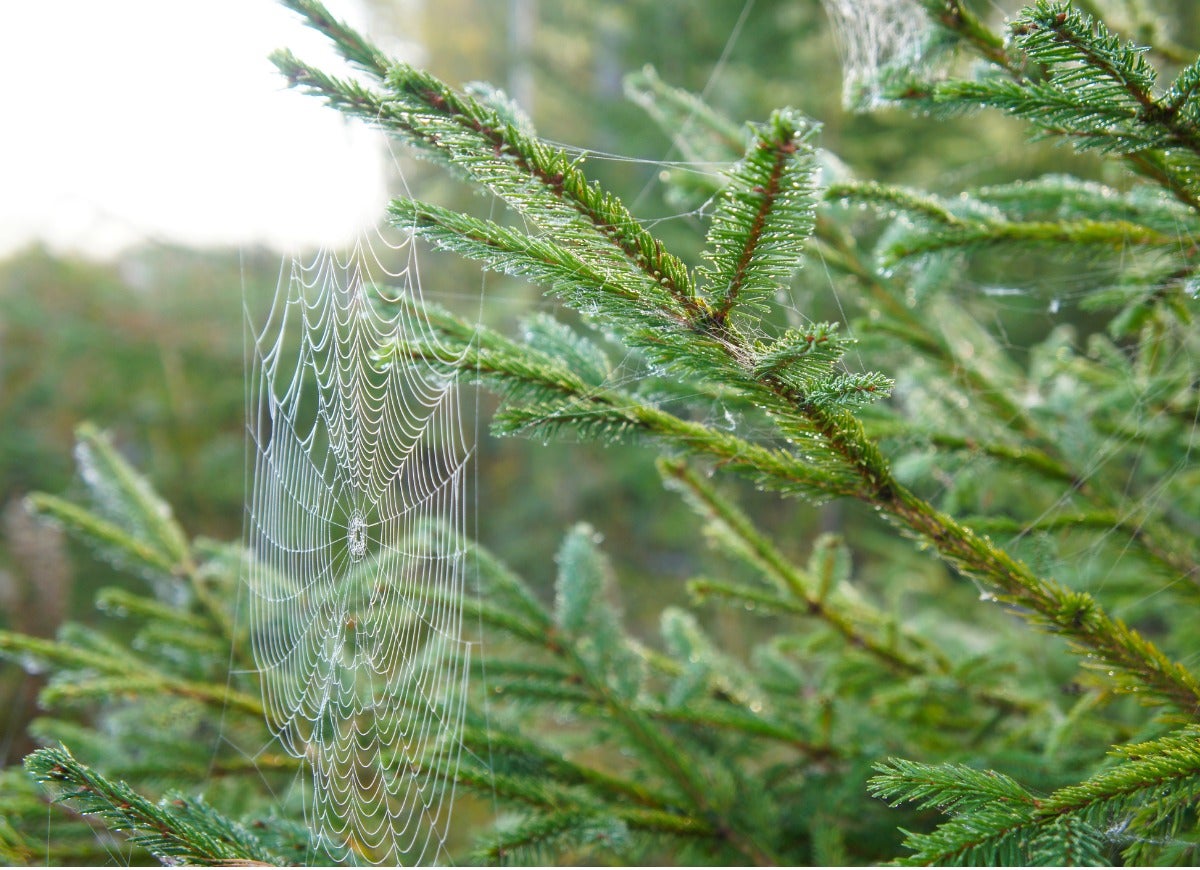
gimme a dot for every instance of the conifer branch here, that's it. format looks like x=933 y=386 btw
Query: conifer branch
x=731 y=718
x=438 y=120
x=521 y=753
x=921 y=336
x=889 y=196
x=130 y=498
x=1172 y=555
x=1151 y=536
x=173 y=830
x=812 y=597
x=1116 y=235
x=657 y=746
x=1138 y=664
x=577 y=609
x=124 y=603
x=587 y=247
x=955 y=17
x=681 y=114
x=106 y=535
x=864 y=475
x=805 y=595
x=580 y=282
x=582 y=636
x=583 y=828
x=1152 y=165
x=506 y=364
x=763 y=217
x=992 y=816
x=129 y=672
x=1093 y=90
x=1033 y=459
x=352 y=45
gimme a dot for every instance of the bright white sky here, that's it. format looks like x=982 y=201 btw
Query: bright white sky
x=130 y=119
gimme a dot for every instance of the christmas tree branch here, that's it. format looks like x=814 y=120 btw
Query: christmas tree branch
x=1093 y=90
x=173 y=830
x=868 y=479
x=122 y=670
x=1038 y=451
x=813 y=597
x=991 y=814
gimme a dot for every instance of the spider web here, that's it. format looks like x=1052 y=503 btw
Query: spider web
x=354 y=524
x=874 y=36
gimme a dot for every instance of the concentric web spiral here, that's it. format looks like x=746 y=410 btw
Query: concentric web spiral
x=355 y=518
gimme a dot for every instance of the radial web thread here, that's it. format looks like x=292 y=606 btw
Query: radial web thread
x=354 y=529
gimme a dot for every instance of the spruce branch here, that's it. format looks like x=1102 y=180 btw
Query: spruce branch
x=123 y=603
x=520 y=371
x=1030 y=458
x=887 y=196
x=539 y=181
x=1039 y=451
x=581 y=283
x=1065 y=198
x=128 y=497
x=803 y=594
x=707 y=716
x=1075 y=47
x=917 y=332
x=129 y=522
x=591 y=663
x=520 y=753
x=956 y=18
x=584 y=635
x=1094 y=90
x=995 y=820
x=353 y=46
x=1134 y=217
x=956 y=789
x=1137 y=663
x=701 y=134
x=564 y=831
x=1118 y=236
x=173 y=830
x=799 y=594
x=104 y=535
x=856 y=468
x=120 y=667
x=763 y=217
x=587 y=247
x=1182 y=99
x=576 y=589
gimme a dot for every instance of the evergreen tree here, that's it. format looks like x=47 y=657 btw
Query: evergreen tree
x=1002 y=711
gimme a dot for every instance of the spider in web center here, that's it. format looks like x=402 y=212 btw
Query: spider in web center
x=356 y=537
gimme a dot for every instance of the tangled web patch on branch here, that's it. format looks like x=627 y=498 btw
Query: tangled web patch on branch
x=873 y=37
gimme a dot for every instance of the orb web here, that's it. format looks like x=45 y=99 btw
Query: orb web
x=355 y=517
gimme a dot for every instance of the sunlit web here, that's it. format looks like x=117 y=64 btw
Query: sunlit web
x=355 y=518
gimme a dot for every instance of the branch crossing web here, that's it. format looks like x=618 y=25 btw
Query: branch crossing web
x=355 y=524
